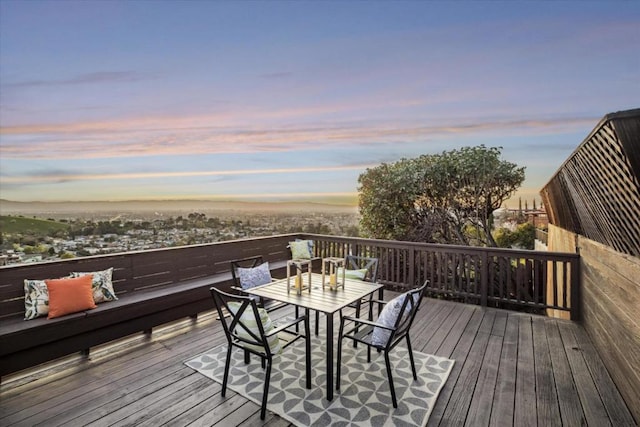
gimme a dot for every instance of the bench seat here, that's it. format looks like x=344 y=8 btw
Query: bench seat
x=24 y=343
x=27 y=343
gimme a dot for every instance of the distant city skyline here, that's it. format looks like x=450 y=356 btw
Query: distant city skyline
x=292 y=101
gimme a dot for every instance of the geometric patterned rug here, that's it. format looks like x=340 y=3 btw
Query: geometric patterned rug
x=364 y=396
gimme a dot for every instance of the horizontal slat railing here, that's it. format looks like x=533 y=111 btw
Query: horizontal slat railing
x=143 y=270
x=498 y=277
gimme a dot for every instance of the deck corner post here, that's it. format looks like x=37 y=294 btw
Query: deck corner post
x=576 y=302
x=412 y=279
x=484 y=279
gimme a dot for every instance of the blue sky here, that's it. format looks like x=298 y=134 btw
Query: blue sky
x=118 y=100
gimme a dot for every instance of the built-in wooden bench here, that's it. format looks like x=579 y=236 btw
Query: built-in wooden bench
x=153 y=287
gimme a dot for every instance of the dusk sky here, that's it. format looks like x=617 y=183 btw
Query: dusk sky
x=120 y=100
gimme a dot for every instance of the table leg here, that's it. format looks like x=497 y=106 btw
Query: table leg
x=329 y=356
x=307 y=360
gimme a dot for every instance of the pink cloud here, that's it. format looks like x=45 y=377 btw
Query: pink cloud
x=197 y=135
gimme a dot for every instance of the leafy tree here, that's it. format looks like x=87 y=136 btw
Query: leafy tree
x=526 y=236
x=387 y=199
x=438 y=198
x=504 y=237
x=523 y=237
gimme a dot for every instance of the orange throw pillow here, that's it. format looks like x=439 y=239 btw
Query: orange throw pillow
x=71 y=295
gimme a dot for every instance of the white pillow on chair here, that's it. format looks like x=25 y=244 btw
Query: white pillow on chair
x=388 y=318
x=256 y=276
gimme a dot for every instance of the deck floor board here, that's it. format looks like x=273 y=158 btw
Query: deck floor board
x=511 y=369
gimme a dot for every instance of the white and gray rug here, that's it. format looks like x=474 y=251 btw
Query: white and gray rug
x=364 y=396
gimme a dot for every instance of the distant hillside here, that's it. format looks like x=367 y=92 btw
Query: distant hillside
x=15 y=224
x=8 y=207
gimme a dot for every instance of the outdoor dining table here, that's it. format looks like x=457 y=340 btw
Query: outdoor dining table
x=325 y=300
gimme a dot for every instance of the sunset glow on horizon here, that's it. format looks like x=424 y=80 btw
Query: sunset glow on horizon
x=272 y=101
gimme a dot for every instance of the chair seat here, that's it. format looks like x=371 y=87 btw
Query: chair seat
x=363 y=335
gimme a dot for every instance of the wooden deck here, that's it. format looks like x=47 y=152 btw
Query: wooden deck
x=511 y=369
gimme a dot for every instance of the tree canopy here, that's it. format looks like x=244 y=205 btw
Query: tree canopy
x=441 y=198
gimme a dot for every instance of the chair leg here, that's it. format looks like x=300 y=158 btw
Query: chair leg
x=413 y=365
x=265 y=394
x=368 y=354
x=317 y=322
x=355 y=343
x=226 y=372
x=393 y=390
x=246 y=357
x=297 y=314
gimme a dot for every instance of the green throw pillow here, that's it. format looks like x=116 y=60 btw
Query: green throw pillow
x=249 y=320
x=353 y=274
x=301 y=249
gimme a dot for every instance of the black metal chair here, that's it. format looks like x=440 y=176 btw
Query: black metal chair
x=244 y=329
x=251 y=262
x=362 y=331
x=353 y=262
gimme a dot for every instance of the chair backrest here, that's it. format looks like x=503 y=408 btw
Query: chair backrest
x=241 y=321
x=250 y=262
x=354 y=262
x=409 y=307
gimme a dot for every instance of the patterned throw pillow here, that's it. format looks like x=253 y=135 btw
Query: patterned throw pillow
x=36 y=299
x=388 y=318
x=102 y=285
x=256 y=276
x=301 y=249
x=353 y=274
x=249 y=320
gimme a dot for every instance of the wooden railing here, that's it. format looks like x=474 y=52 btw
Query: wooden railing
x=504 y=278
x=497 y=277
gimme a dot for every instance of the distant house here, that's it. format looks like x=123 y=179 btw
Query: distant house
x=538 y=218
x=32 y=258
